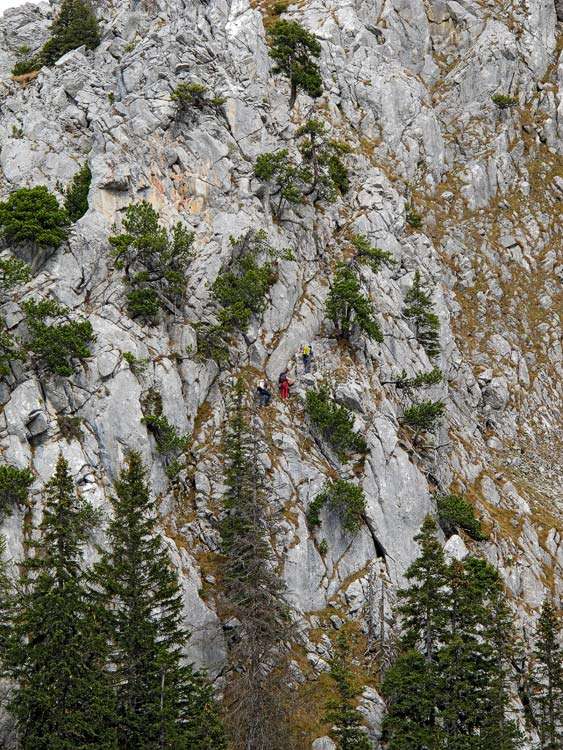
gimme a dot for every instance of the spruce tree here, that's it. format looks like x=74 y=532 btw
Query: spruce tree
x=424 y=602
x=161 y=701
x=419 y=308
x=475 y=660
x=409 y=688
x=347 y=729
x=55 y=651
x=547 y=697
x=257 y=691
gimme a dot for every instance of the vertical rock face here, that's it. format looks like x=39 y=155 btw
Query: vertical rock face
x=408 y=84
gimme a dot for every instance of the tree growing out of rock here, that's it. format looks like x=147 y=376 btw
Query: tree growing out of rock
x=547 y=679
x=13 y=271
x=74 y=26
x=55 y=339
x=345 y=499
x=258 y=684
x=322 y=156
x=334 y=422
x=295 y=51
x=371 y=256
x=347 y=725
x=33 y=215
x=14 y=487
x=419 y=309
x=190 y=96
x=423 y=416
x=455 y=512
x=319 y=171
x=347 y=307
x=76 y=195
x=239 y=292
x=26 y=62
x=153 y=260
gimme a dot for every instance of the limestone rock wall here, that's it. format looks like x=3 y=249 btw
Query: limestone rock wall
x=408 y=85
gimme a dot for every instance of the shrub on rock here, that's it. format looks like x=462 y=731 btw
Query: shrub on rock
x=75 y=25
x=14 y=486
x=347 y=306
x=335 y=423
x=34 y=215
x=154 y=261
x=58 y=343
x=76 y=196
x=345 y=499
x=454 y=512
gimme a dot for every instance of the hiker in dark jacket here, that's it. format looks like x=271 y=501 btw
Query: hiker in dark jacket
x=263 y=393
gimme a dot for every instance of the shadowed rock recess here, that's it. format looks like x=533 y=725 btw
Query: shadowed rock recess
x=449 y=182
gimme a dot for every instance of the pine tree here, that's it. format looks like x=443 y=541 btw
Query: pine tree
x=294 y=50
x=161 y=701
x=347 y=730
x=424 y=602
x=75 y=25
x=55 y=651
x=547 y=698
x=257 y=692
x=347 y=307
x=420 y=309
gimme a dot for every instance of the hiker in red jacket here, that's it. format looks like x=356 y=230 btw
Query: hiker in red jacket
x=284 y=383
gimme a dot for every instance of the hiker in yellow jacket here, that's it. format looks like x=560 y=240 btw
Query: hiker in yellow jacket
x=307 y=355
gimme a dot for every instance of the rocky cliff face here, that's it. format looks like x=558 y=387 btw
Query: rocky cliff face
x=408 y=83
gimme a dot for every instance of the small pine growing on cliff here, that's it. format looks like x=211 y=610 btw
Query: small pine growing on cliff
x=56 y=340
x=75 y=25
x=347 y=306
x=161 y=700
x=419 y=309
x=345 y=499
x=153 y=260
x=55 y=650
x=334 y=422
x=76 y=197
x=34 y=215
x=295 y=50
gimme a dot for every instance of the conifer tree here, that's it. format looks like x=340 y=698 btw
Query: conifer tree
x=161 y=701
x=256 y=696
x=420 y=309
x=347 y=730
x=75 y=25
x=424 y=602
x=547 y=685
x=409 y=688
x=474 y=661
x=347 y=307
x=294 y=50
x=55 y=652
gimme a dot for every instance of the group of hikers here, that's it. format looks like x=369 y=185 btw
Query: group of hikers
x=263 y=392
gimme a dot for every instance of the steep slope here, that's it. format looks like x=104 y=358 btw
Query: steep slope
x=408 y=84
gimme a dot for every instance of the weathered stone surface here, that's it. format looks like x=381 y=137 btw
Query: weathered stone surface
x=409 y=86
